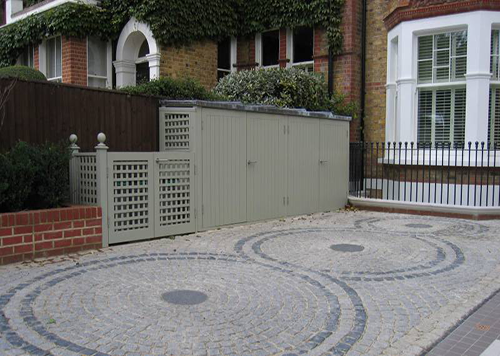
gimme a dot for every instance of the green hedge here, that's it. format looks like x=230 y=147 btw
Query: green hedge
x=21 y=72
x=174 y=89
x=34 y=177
x=288 y=88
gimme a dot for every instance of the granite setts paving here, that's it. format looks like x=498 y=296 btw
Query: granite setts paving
x=342 y=283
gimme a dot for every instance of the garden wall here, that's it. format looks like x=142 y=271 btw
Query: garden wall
x=43 y=233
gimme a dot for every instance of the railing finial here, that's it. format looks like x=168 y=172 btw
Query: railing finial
x=101 y=137
x=73 y=146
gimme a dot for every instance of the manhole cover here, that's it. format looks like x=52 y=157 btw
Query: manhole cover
x=347 y=248
x=184 y=297
x=418 y=226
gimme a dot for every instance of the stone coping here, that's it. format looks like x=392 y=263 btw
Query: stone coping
x=265 y=109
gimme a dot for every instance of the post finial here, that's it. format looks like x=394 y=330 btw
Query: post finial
x=73 y=146
x=101 y=137
x=73 y=138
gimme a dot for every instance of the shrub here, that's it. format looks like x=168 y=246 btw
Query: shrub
x=34 y=177
x=21 y=72
x=289 y=88
x=174 y=89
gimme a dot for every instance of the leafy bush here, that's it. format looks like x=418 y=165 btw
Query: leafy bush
x=34 y=177
x=21 y=72
x=174 y=89
x=289 y=88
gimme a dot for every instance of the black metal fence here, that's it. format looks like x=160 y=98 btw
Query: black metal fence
x=444 y=173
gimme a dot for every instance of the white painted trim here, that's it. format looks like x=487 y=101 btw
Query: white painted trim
x=437 y=208
x=234 y=54
x=402 y=125
x=11 y=16
x=258 y=49
x=127 y=52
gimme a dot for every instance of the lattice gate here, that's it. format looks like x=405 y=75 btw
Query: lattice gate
x=149 y=195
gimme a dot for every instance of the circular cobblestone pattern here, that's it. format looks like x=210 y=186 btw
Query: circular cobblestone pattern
x=275 y=288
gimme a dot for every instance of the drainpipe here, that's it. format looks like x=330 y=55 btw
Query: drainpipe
x=330 y=70
x=363 y=71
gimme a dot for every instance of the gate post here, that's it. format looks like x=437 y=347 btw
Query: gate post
x=73 y=171
x=102 y=185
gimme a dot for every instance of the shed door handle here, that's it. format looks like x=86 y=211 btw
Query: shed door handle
x=322 y=161
x=252 y=162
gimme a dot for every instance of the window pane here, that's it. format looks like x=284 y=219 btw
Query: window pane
x=460 y=43
x=142 y=73
x=442 y=41
x=495 y=51
x=442 y=115
x=51 y=58
x=459 y=116
x=224 y=54
x=97 y=57
x=425 y=47
x=425 y=71
x=96 y=82
x=58 y=55
x=303 y=39
x=144 y=50
x=424 y=116
x=270 y=48
x=494 y=116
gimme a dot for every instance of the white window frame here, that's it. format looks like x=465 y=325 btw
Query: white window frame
x=497 y=55
x=233 y=50
x=308 y=65
x=452 y=84
x=494 y=86
x=108 y=66
x=58 y=78
x=259 y=51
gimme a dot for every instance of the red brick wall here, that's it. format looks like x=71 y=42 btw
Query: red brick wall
x=283 y=60
x=43 y=233
x=74 y=60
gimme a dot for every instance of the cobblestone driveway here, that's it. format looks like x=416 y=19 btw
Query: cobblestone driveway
x=329 y=284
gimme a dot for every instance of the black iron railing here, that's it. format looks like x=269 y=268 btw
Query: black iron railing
x=444 y=173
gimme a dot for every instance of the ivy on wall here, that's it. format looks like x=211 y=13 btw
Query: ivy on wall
x=173 y=22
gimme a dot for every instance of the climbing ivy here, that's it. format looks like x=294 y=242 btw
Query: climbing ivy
x=173 y=22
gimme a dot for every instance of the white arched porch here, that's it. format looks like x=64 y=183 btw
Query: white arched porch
x=136 y=38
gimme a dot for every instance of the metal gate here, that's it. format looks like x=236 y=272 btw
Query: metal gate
x=149 y=195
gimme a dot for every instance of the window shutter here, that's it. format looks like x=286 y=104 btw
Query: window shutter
x=459 y=55
x=442 y=115
x=495 y=53
x=459 y=115
x=494 y=116
x=425 y=45
x=442 y=57
x=424 y=116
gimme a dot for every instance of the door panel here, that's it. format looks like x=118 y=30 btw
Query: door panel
x=333 y=179
x=266 y=166
x=303 y=166
x=224 y=150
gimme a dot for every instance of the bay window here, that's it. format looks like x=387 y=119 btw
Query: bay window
x=441 y=69
x=54 y=59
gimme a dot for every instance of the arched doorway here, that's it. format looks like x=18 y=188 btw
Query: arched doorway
x=137 y=55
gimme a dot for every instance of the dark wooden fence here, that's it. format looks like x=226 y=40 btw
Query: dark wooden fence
x=38 y=112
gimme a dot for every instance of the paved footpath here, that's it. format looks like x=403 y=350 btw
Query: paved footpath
x=357 y=283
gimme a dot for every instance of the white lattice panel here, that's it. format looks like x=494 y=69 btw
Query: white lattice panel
x=175 y=131
x=174 y=188
x=87 y=179
x=130 y=191
x=174 y=193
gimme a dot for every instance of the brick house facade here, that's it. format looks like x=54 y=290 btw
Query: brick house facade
x=389 y=111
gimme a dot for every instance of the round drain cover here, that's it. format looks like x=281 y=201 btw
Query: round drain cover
x=184 y=297
x=418 y=226
x=347 y=248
